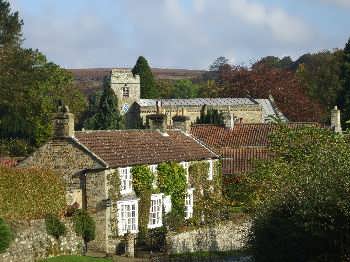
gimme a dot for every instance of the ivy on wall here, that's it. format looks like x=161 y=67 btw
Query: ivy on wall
x=172 y=181
x=142 y=179
x=208 y=201
x=113 y=180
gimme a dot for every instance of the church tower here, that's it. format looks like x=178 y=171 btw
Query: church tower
x=126 y=86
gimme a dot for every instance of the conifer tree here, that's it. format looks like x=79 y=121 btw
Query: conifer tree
x=344 y=97
x=107 y=116
x=10 y=25
x=148 y=85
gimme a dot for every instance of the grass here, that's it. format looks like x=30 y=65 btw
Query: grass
x=75 y=259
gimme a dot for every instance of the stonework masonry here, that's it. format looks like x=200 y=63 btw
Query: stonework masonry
x=227 y=236
x=32 y=243
x=65 y=157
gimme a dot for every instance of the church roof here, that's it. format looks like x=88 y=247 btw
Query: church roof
x=268 y=106
x=121 y=148
x=199 y=102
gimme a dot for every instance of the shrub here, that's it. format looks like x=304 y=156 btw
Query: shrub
x=84 y=226
x=37 y=193
x=54 y=226
x=5 y=236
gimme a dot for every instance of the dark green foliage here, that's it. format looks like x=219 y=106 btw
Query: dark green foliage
x=210 y=116
x=274 y=62
x=10 y=25
x=156 y=239
x=84 y=225
x=344 y=97
x=172 y=181
x=106 y=116
x=148 y=85
x=54 y=226
x=301 y=199
x=219 y=62
x=142 y=180
x=5 y=236
x=184 y=89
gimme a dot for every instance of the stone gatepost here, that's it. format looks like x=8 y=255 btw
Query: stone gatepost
x=130 y=244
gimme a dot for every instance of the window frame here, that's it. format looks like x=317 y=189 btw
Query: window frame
x=186 y=166
x=211 y=169
x=126 y=91
x=157 y=211
x=125 y=228
x=125 y=180
x=189 y=203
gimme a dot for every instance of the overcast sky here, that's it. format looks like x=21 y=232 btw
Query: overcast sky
x=180 y=33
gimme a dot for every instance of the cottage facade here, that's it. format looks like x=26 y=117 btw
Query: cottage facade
x=92 y=161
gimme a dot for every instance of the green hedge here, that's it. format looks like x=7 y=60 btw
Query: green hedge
x=5 y=236
x=28 y=194
x=54 y=226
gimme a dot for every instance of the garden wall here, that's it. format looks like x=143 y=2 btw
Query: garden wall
x=226 y=236
x=32 y=243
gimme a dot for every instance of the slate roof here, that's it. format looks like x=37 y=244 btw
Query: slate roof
x=198 y=102
x=121 y=148
x=268 y=106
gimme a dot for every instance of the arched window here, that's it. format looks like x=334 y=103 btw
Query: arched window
x=125 y=91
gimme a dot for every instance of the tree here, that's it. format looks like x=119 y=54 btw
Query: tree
x=10 y=26
x=210 y=116
x=344 y=96
x=107 y=116
x=84 y=226
x=5 y=236
x=148 y=85
x=219 y=62
x=184 y=89
x=54 y=226
x=301 y=198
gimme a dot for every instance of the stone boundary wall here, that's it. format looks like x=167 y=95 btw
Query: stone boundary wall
x=225 y=236
x=32 y=243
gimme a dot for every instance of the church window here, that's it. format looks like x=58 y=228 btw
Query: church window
x=155 y=216
x=125 y=180
x=125 y=91
x=127 y=217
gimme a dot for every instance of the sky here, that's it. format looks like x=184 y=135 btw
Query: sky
x=187 y=34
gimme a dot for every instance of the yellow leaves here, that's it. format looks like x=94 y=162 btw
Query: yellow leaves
x=30 y=193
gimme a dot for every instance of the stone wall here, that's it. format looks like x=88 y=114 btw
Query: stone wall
x=64 y=156
x=222 y=237
x=32 y=243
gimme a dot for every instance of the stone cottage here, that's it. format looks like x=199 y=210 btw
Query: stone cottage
x=90 y=160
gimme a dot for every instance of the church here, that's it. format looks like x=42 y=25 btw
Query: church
x=243 y=110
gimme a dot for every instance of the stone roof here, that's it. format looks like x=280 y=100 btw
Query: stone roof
x=242 y=135
x=270 y=109
x=121 y=148
x=199 y=102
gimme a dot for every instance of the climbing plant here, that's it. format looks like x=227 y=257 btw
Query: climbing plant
x=114 y=195
x=172 y=181
x=208 y=201
x=142 y=179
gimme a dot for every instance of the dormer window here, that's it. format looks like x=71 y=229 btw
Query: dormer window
x=125 y=91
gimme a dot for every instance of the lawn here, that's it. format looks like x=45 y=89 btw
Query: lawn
x=75 y=259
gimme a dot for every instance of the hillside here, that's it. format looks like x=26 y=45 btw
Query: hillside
x=91 y=79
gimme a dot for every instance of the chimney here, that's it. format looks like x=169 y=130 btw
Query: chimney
x=335 y=120
x=229 y=119
x=157 y=121
x=182 y=122
x=63 y=122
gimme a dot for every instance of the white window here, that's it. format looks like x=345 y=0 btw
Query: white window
x=153 y=169
x=127 y=217
x=125 y=180
x=189 y=203
x=185 y=166
x=167 y=204
x=155 y=213
x=211 y=170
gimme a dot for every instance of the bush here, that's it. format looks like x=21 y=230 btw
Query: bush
x=36 y=193
x=54 y=226
x=84 y=226
x=5 y=236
